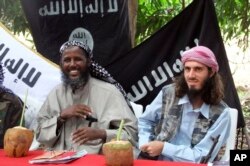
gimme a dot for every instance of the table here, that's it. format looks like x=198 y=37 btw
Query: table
x=88 y=160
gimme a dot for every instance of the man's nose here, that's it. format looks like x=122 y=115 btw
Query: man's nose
x=72 y=62
x=191 y=73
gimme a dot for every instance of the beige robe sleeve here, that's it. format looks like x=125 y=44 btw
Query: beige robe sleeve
x=47 y=122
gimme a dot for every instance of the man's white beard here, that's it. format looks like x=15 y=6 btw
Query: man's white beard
x=75 y=83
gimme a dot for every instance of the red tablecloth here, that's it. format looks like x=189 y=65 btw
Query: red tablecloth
x=88 y=160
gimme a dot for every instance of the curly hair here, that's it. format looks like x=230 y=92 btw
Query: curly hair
x=213 y=91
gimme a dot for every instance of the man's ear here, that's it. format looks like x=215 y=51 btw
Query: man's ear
x=212 y=72
x=88 y=62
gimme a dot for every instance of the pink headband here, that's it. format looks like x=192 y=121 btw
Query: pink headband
x=201 y=54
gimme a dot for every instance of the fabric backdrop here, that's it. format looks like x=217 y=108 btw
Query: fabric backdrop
x=152 y=64
x=102 y=24
x=26 y=71
x=145 y=69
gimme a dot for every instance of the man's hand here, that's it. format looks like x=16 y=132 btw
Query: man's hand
x=77 y=110
x=153 y=148
x=82 y=135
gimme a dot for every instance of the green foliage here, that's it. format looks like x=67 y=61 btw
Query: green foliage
x=153 y=14
x=233 y=17
x=12 y=16
x=234 y=20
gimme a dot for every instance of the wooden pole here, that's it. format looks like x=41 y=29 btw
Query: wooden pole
x=132 y=8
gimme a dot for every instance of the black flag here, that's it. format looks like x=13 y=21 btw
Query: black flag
x=102 y=24
x=152 y=64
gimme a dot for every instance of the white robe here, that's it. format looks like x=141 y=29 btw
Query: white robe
x=108 y=105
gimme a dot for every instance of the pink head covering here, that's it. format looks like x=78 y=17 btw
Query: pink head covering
x=201 y=54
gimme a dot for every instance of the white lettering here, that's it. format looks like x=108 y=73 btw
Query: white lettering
x=72 y=9
x=138 y=95
x=63 y=6
x=147 y=83
x=77 y=6
x=240 y=157
x=113 y=8
x=178 y=66
x=237 y=157
x=158 y=80
x=54 y=11
x=243 y=156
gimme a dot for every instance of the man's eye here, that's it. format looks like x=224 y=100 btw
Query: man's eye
x=198 y=69
x=66 y=60
x=78 y=59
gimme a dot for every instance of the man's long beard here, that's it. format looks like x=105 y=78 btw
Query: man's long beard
x=195 y=93
x=75 y=83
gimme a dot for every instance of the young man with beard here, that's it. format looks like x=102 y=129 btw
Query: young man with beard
x=11 y=108
x=84 y=111
x=182 y=121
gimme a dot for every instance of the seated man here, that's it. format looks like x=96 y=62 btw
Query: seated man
x=10 y=108
x=185 y=119
x=84 y=111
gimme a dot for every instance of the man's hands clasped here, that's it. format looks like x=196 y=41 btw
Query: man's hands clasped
x=84 y=134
